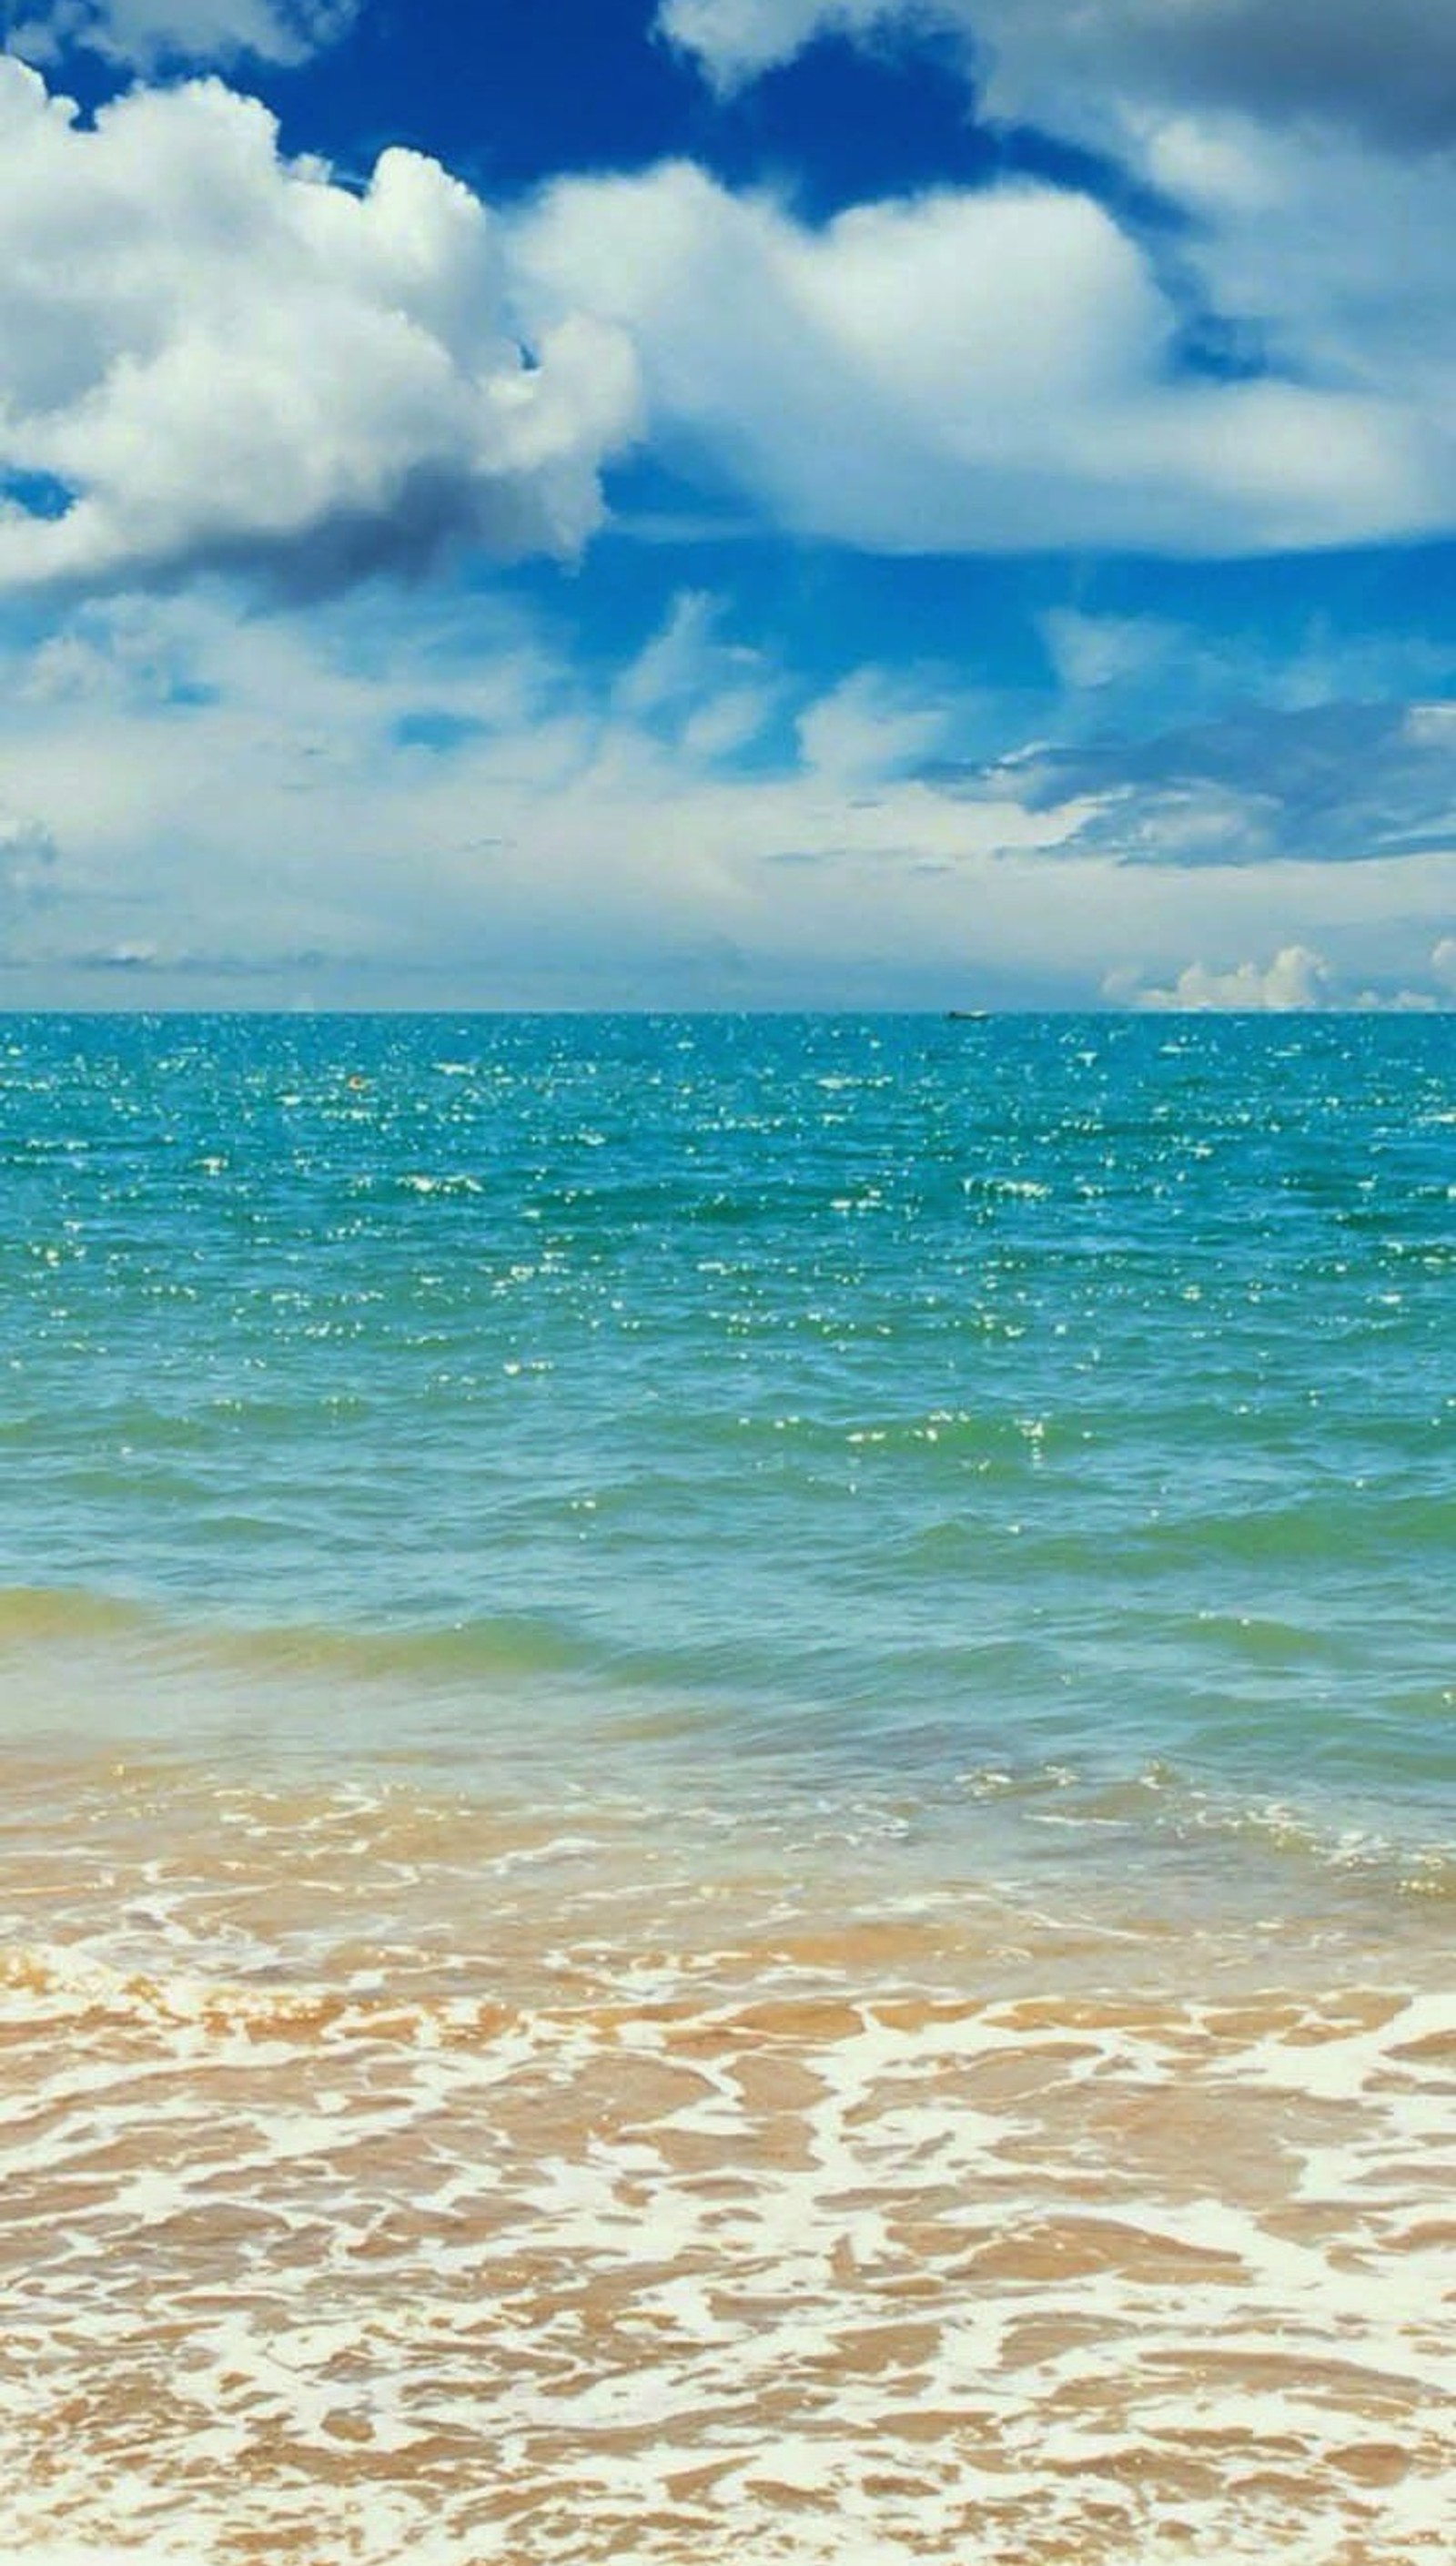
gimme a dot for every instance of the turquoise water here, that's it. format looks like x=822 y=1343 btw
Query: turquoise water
x=876 y=1397
x=728 y=1791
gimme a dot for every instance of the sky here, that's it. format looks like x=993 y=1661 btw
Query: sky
x=727 y=503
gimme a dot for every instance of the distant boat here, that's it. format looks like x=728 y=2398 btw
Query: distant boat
x=966 y=1015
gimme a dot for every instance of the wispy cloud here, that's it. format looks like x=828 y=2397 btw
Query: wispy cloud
x=438 y=802
x=148 y=34
x=27 y=865
x=1334 y=783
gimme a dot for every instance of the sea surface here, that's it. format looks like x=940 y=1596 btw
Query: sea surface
x=728 y=1814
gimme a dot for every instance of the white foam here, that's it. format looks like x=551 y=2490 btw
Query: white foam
x=676 y=2255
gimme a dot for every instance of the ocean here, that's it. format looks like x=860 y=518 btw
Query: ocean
x=729 y=1789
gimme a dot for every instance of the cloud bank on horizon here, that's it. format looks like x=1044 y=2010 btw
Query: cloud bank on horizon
x=702 y=596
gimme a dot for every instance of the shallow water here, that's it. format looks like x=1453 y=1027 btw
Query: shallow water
x=728 y=1815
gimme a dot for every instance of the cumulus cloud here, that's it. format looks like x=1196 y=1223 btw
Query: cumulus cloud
x=211 y=355
x=991 y=371
x=1296 y=982
x=1390 y=72
x=1296 y=979
x=1294 y=143
x=143 y=34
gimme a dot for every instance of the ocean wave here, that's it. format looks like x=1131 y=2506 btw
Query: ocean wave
x=767 y=2264
x=505 y=1645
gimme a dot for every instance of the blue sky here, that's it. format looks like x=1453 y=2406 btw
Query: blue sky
x=727 y=502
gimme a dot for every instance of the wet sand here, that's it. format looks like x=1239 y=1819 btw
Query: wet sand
x=403 y=2178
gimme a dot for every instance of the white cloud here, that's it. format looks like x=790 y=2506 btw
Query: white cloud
x=1099 y=652
x=734 y=40
x=436 y=804
x=870 y=726
x=1296 y=143
x=693 y=686
x=27 y=865
x=1195 y=820
x=212 y=355
x=228 y=797
x=992 y=371
x=215 y=354
x=1272 y=126
x=1294 y=981
x=145 y=32
x=1431 y=725
x=1390 y=73
x=1337 y=253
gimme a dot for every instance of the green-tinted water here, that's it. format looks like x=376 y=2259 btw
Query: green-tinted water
x=728 y=1787
x=914 y=1395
